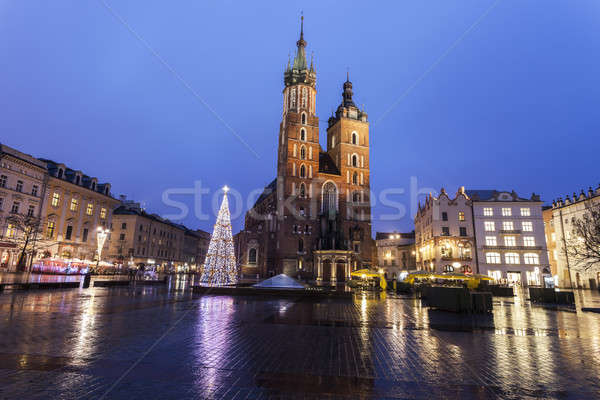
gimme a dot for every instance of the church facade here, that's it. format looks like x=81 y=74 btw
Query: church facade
x=314 y=218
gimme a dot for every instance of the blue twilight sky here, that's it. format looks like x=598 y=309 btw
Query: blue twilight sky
x=487 y=94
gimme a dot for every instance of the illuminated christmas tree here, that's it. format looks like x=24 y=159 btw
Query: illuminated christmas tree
x=219 y=267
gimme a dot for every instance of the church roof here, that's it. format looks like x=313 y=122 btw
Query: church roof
x=327 y=165
x=270 y=188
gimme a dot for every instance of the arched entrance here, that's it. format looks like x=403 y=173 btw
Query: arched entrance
x=340 y=270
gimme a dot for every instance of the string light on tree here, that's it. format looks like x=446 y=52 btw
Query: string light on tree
x=220 y=265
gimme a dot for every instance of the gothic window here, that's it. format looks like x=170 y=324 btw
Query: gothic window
x=303 y=135
x=354 y=138
x=354 y=160
x=300 y=245
x=356 y=197
x=293 y=98
x=302 y=171
x=302 y=187
x=329 y=197
x=355 y=178
x=302 y=152
x=304 y=97
x=252 y=256
x=303 y=119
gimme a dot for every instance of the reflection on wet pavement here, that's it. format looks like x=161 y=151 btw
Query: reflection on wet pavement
x=163 y=342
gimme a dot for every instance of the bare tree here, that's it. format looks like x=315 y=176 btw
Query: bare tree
x=24 y=231
x=583 y=245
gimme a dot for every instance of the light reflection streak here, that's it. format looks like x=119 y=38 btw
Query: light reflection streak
x=212 y=339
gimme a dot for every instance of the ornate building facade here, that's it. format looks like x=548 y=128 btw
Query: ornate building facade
x=74 y=206
x=570 y=272
x=314 y=218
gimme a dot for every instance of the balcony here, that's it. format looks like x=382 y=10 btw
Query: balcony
x=510 y=231
x=485 y=247
x=458 y=259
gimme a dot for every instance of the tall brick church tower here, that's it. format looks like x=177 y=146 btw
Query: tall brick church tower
x=314 y=219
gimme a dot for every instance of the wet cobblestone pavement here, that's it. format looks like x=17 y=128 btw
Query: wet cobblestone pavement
x=159 y=343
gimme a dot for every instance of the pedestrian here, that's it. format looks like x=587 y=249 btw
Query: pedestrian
x=142 y=269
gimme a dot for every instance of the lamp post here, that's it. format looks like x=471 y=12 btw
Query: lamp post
x=101 y=235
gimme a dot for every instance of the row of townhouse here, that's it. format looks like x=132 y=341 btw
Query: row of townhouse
x=50 y=210
x=138 y=237
x=496 y=233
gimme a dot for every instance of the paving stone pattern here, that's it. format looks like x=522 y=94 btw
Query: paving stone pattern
x=159 y=343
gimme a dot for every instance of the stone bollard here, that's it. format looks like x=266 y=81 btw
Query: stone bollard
x=86 y=280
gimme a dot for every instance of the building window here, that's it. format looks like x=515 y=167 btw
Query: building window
x=74 y=205
x=252 y=256
x=491 y=241
x=300 y=245
x=50 y=229
x=15 y=207
x=302 y=171
x=508 y=226
x=355 y=178
x=30 y=211
x=34 y=190
x=90 y=209
x=510 y=241
x=329 y=198
x=529 y=241
x=122 y=236
x=354 y=160
x=103 y=213
x=444 y=216
x=357 y=248
x=55 y=199
x=3 y=179
x=492 y=258
x=489 y=226
x=302 y=153
x=19 y=187
x=354 y=138
x=445 y=231
x=488 y=212
x=525 y=212
x=531 y=258
x=527 y=226
x=303 y=135
x=461 y=216
x=303 y=119
x=302 y=190
x=506 y=211
x=463 y=231
x=333 y=142
x=69 y=232
x=511 y=258
x=84 y=235
x=10 y=231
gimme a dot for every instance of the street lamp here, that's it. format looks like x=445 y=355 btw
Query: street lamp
x=101 y=236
